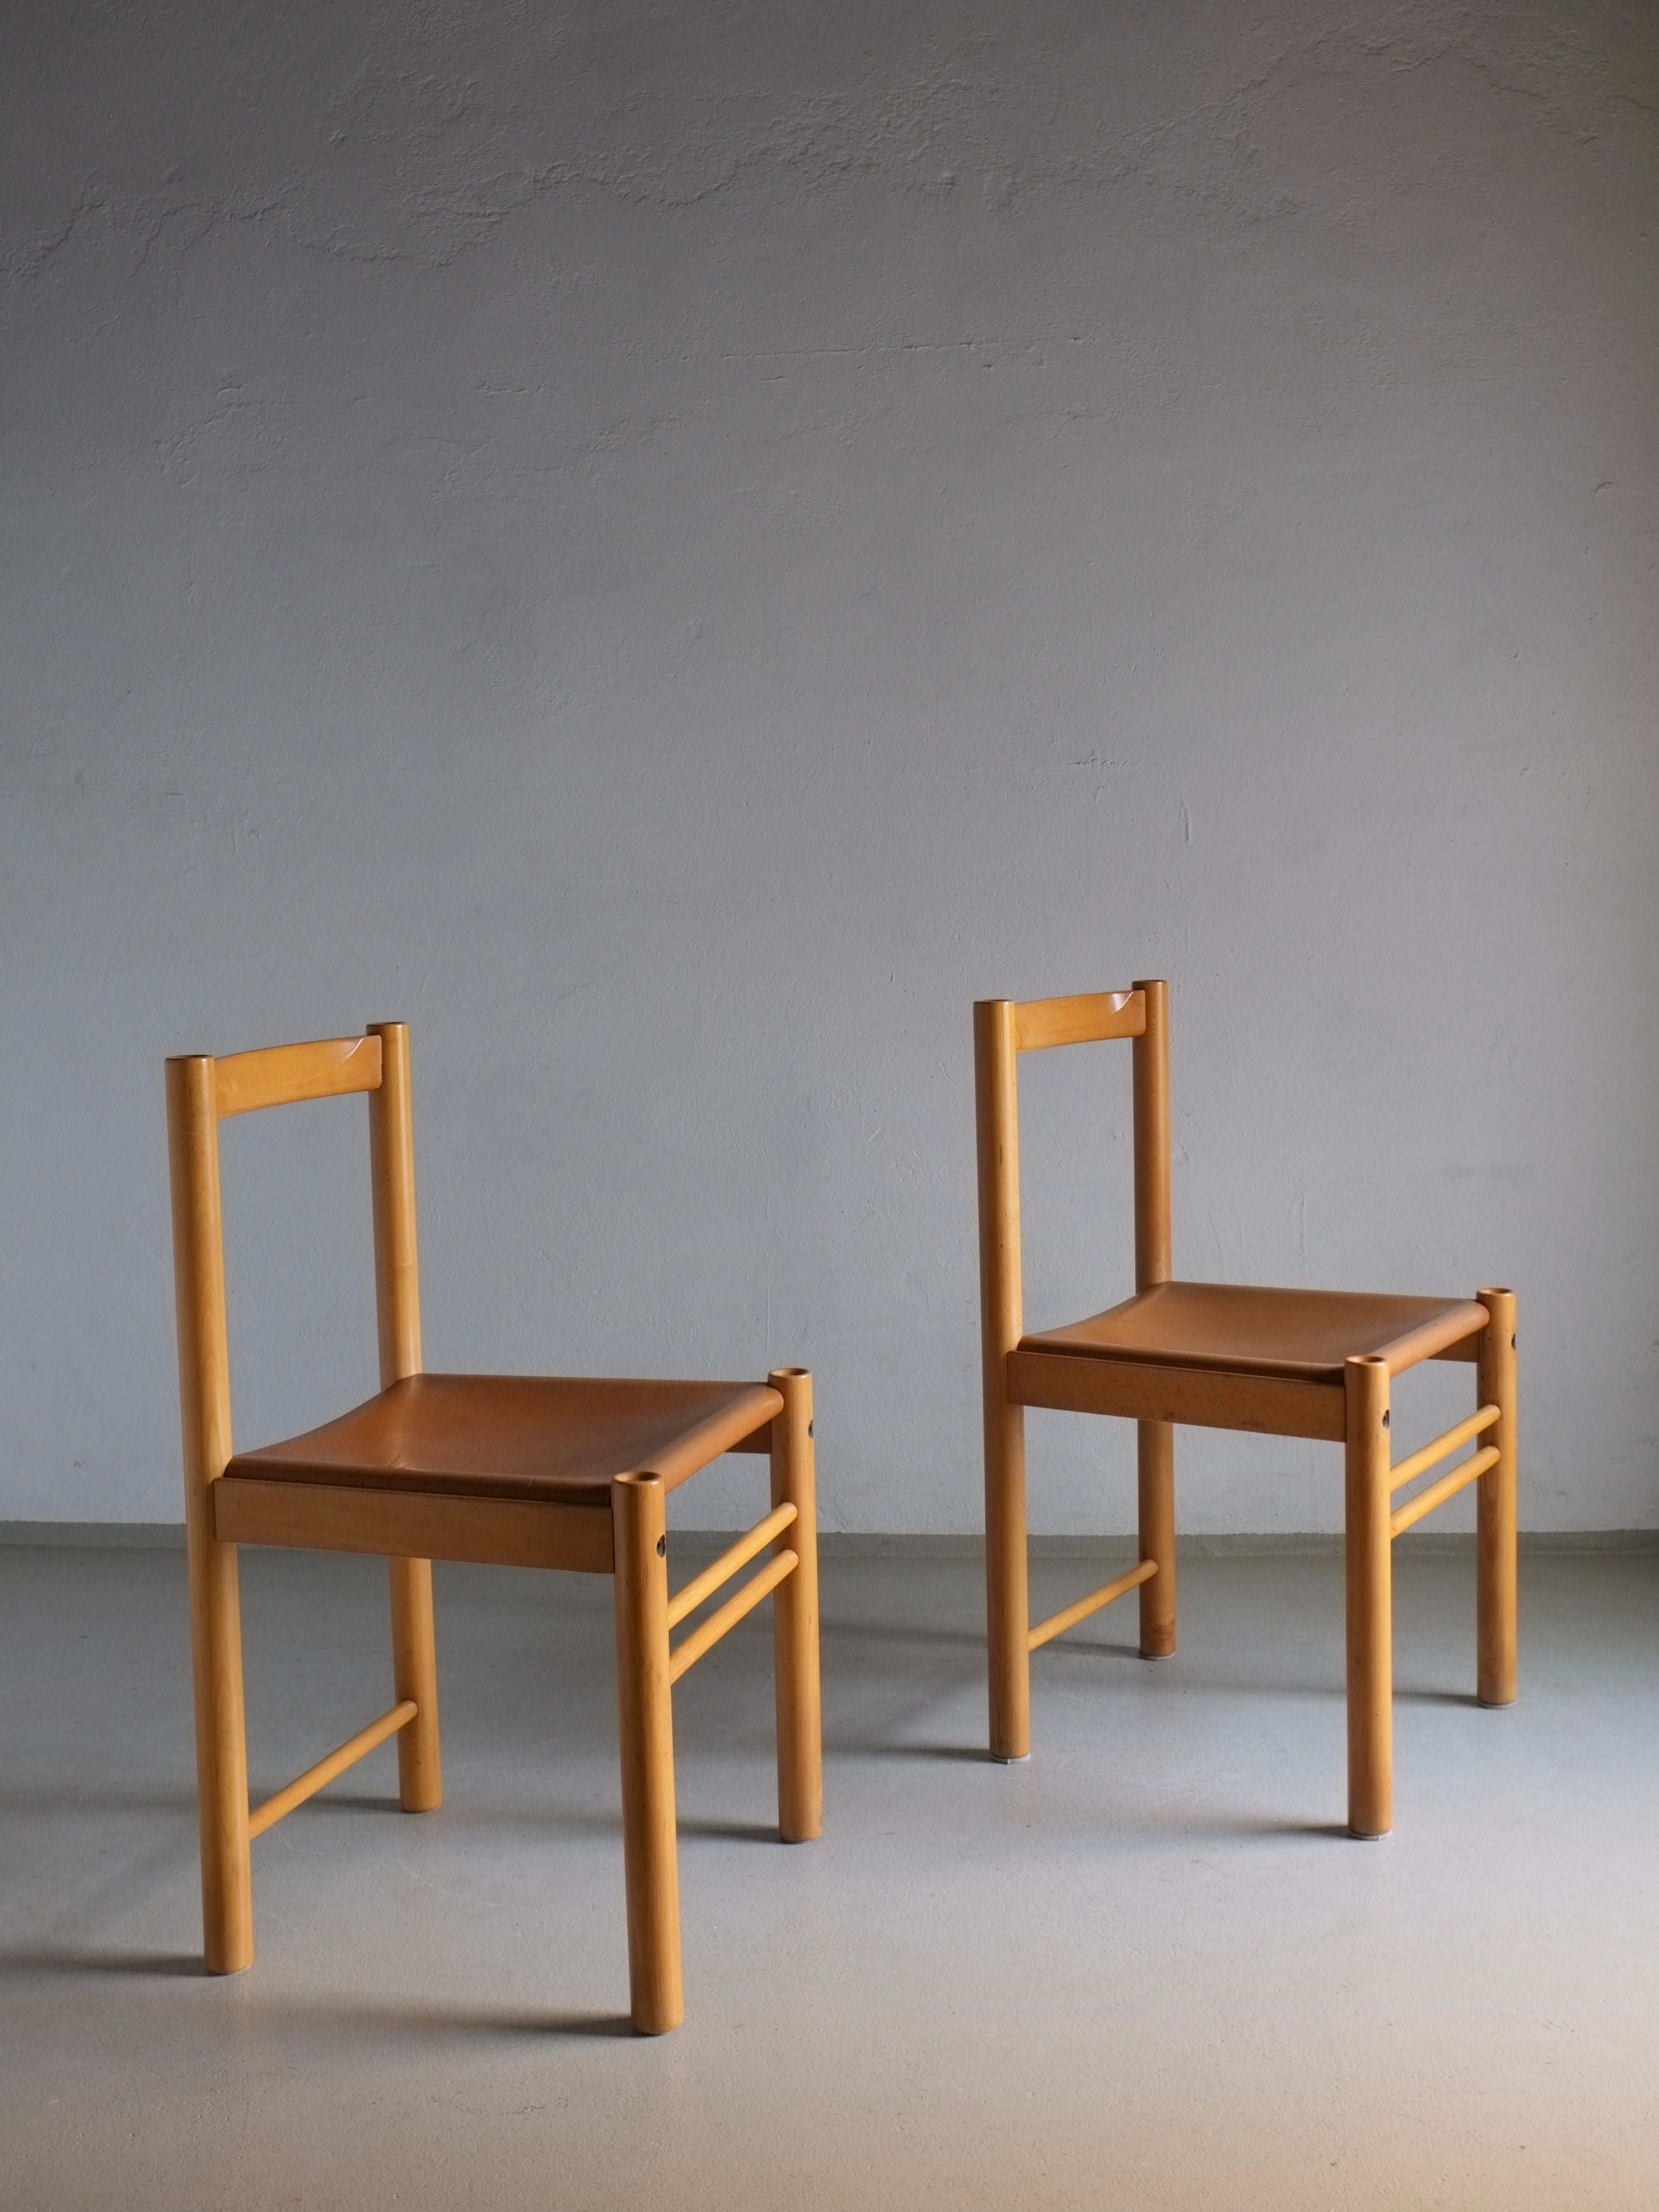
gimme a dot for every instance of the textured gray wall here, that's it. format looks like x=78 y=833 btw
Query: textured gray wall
x=674 y=546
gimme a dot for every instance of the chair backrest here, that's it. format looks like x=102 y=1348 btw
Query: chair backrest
x=201 y=1093
x=1002 y=1031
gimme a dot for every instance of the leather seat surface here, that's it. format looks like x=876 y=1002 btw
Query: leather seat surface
x=560 y=1438
x=1232 y=1328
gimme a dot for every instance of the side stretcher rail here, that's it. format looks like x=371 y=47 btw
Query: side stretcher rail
x=686 y=1653
x=1069 y=1616
x=314 y=1778
x=1469 y=1470
x=1438 y=1492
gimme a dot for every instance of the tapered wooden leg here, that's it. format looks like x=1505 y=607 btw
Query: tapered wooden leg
x=1155 y=1452
x=221 y=1749
x=1495 y=1507
x=414 y=1672
x=1371 y=1598
x=795 y=1614
x=646 y=1710
x=1007 y=1603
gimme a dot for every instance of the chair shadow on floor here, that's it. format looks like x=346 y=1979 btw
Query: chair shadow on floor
x=398 y=2017
x=865 y=1632
x=969 y=1754
x=140 y=1965
x=68 y=1795
x=352 y=2016
x=1291 y=1832
x=1302 y=1682
x=1300 y=1686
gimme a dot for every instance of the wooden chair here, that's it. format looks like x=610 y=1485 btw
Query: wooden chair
x=516 y=1470
x=1284 y=1362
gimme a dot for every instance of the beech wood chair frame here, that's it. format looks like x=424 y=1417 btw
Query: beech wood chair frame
x=412 y=1529
x=1354 y=1411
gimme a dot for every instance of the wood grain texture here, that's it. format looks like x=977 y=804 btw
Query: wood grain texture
x=1368 y=1574
x=1094 y=1017
x=1496 y=1509
x=646 y=1716
x=1154 y=1245
x=1156 y=1522
x=391 y=1186
x=215 y=1605
x=285 y=1074
x=795 y=1613
x=413 y=1524
x=1266 y=1404
x=1154 y=1264
x=1006 y=1599
x=398 y=1314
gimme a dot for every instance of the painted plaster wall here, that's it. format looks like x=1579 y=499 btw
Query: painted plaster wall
x=675 y=546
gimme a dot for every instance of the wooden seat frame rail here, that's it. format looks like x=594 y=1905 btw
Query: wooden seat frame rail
x=1354 y=1412
x=411 y=1529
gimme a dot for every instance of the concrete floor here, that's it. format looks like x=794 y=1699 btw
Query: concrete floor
x=1143 y=1970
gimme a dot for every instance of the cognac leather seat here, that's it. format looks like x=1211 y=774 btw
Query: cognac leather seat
x=557 y=1438
x=1235 y=1329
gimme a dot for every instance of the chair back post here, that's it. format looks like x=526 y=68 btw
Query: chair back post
x=391 y=1166
x=1153 y=1261
x=198 y=1263
x=199 y=1276
x=996 y=1050
x=397 y=1307
x=1154 y=1264
x=997 y=1105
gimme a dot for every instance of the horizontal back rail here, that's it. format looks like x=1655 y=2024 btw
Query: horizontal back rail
x=1092 y=1018
x=283 y=1074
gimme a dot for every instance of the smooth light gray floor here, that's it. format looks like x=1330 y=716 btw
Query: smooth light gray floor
x=1144 y=1969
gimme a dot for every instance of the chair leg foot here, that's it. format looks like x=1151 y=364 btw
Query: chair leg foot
x=221 y=1754
x=1495 y=1508
x=1155 y=1483
x=795 y=1616
x=645 y=1708
x=415 y=1674
x=1369 y=1573
x=1007 y=1601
